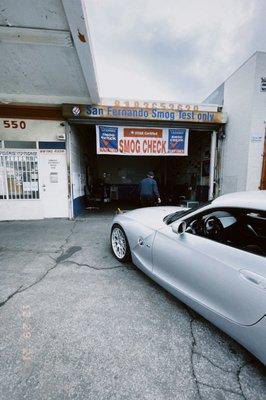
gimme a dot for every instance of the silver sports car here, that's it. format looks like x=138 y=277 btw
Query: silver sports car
x=212 y=258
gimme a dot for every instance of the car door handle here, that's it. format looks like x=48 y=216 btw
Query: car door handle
x=253 y=278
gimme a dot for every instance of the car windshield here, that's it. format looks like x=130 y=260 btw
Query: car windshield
x=170 y=218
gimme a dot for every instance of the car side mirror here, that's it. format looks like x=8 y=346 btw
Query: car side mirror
x=179 y=227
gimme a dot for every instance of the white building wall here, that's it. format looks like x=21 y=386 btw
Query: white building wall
x=238 y=103
x=35 y=130
x=257 y=129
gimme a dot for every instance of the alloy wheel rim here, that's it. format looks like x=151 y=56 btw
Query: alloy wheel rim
x=119 y=243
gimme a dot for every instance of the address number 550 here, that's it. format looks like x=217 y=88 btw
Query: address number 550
x=14 y=124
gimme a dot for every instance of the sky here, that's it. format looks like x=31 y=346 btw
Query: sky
x=172 y=50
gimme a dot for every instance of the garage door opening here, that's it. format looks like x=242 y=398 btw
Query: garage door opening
x=108 y=182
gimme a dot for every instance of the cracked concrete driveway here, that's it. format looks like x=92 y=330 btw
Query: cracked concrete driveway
x=76 y=324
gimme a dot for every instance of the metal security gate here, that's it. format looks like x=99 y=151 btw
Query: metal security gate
x=19 y=175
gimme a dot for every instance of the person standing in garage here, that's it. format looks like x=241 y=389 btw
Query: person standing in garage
x=149 y=193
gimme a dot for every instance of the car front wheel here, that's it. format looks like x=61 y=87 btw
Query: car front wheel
x=119 y=243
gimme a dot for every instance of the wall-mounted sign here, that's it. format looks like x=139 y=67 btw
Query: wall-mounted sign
x=256 y=137
x=54 y=177
x=263 y=84
x=30 y=186
x=52 y=151
x=53 y=163
x=142 y=113
x=131 y=141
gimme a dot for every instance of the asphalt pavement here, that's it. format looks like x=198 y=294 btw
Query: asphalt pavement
x=77 y=324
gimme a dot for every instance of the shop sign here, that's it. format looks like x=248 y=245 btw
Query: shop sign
x=131 y=141
x=263 y=84
x=52 y=151
x=256 y=137
x=142 y=113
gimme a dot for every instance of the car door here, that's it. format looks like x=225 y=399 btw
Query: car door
x=140 y=239
x=229 y=281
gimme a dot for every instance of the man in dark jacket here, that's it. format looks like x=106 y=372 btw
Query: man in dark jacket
x=149 y=193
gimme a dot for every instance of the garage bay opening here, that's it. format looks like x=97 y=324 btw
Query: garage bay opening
x=108 y=181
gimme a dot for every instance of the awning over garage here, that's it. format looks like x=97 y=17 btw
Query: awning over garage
x=45 y=53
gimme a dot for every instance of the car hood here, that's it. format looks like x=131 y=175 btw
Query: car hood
x=152 y=216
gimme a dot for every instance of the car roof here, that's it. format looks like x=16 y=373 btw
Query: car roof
x=251 y=199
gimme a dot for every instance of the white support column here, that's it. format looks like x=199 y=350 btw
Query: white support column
x=212 y=164
x=69 y=170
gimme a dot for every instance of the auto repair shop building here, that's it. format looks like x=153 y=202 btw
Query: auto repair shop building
x=60 y=142
x=55 y=146
x=117 y=142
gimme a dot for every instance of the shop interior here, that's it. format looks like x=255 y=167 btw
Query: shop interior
x=112 y=181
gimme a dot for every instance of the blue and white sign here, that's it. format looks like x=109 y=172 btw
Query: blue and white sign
x=177 y=141
x=108 y=139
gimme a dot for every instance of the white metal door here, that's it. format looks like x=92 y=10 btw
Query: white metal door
x=53 y=183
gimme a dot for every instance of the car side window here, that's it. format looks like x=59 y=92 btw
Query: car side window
x=241 y=228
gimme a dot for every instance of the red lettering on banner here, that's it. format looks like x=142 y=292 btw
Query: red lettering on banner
x=144 y=146
x=126 y=146
x=132 y=146
x=147 y=146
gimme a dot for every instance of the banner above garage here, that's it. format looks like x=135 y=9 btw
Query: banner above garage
x=141 y=113
x=131 y=141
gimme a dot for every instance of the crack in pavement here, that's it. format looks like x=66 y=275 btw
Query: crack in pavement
x=193 y=344
x=198 y=382
x=239 y=380
x=95 y=268
x=192 y=361
x=66 y=240
x=40 y=278
x=229 y=371
x=22 y=289
x=10 y=296
x=219 y=388
x=64 y=254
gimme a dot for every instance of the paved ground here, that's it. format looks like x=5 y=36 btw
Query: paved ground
x=76 y=324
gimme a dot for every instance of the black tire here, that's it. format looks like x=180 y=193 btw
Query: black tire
x=127 y=254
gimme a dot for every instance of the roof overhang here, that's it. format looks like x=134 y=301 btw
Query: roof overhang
x=45 y=53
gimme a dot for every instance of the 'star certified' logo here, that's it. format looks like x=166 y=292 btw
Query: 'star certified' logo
x=76 y=110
